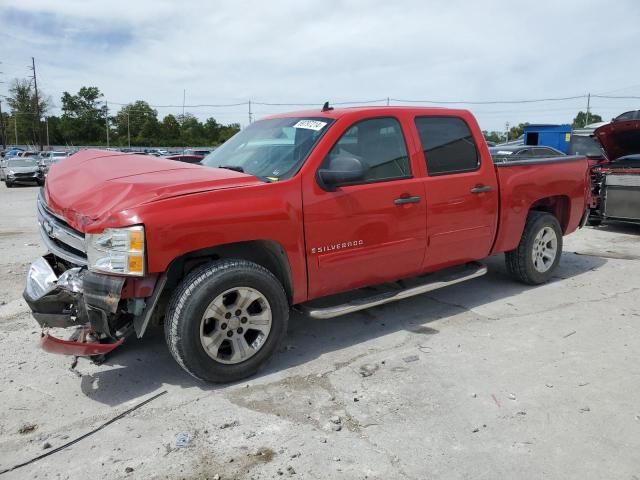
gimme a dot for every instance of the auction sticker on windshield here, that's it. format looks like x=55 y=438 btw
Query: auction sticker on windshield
x=310 y=124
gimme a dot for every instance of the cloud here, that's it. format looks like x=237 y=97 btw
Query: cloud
x=287 y=52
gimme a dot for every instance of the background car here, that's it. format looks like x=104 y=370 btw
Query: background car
x=193 y=151
x=523 y=152
x=23 y=170
x=186 y=158
x=49 y=158
x=12 y=152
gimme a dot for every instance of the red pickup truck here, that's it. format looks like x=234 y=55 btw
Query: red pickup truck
x=290 y=212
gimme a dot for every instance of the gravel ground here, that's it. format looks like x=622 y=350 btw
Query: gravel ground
x=487 y=379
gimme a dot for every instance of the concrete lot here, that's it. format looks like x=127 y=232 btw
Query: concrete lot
x=488 y=379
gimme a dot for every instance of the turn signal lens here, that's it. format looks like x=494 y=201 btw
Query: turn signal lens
x=117 y=251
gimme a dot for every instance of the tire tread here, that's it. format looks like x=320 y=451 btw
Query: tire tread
x=184 y=292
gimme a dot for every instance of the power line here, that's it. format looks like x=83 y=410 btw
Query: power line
x=489 y=102
x=618 y=97
x=186 y=106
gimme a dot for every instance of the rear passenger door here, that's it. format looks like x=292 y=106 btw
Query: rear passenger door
x=461 y=191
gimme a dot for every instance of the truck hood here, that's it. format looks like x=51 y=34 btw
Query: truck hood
x=92 y=184
x=619 y=139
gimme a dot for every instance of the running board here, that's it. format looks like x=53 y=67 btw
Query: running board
x=425 y=284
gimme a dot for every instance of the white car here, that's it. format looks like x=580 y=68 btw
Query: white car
x=49 y=158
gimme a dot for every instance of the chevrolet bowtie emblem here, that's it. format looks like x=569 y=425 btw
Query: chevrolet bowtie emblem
x=47 y=227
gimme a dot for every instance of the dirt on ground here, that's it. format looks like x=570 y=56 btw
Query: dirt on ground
x=486 y=379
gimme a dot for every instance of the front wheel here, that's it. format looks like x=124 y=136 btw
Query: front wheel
x=538 y=253
x=8 y=184
x=226 y=319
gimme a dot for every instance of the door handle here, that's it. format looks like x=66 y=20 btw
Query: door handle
x=405 y=200
x=481 y=189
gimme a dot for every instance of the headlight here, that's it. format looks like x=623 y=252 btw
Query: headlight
x=117 y=250
x=11 y=172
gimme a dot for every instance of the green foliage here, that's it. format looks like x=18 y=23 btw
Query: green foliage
x=83 y=117
x=22 y=102
x=581 y=119
x=496 y=137
x=84 y=122
x=516 y=131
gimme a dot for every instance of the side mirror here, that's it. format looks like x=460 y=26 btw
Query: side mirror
x=343 y=169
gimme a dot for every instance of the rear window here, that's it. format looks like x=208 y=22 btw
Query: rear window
x=448 y=145
x=584 y=145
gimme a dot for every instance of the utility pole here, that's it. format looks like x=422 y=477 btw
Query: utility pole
x=586 y=121
x=506 y=126
x=35 y=86
x=2 y=132
x=15 y=125
x=47 y=123
x=106 y=119
x=250 y=114
x=184 y=97
x=128 y=132
x=387 y=101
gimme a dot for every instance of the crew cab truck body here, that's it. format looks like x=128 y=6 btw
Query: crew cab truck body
x=293 y=210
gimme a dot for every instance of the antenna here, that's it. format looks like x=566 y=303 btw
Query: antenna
x=326 y=107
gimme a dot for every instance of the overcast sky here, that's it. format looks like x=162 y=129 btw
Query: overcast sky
x=311 y=51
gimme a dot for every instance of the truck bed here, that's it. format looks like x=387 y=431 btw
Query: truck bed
x=546 y=183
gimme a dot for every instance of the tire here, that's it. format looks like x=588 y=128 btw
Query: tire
x=594 y=222
x=530 y=262
x=204 y=310
x=8 y=184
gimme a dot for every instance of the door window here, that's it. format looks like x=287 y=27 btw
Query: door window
x=448 y=145
x=379 y=144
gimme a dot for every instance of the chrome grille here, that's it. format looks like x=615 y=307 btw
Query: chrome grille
x=60 y=238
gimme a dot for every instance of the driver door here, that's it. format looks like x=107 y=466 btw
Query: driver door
x=369 y=232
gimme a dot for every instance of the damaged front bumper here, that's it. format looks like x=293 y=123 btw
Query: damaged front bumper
x=76 y=297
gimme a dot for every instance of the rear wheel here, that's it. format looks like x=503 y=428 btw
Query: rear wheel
x=226 y=319
x=538 y=253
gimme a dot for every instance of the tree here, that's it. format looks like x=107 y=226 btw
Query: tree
x=150 y=133
x=83 y=117
x=192 y=131
x=495 y=137
x=56 y=135
x=516 y=131
x=581 y=119
x=170 y=130
x=22 y=101
x=228 y=131
x=130 y=120
x=212 y=131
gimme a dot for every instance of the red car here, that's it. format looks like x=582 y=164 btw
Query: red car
x=291 y=211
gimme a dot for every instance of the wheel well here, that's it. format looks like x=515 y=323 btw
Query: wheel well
x=558 y=206
x=266 y=253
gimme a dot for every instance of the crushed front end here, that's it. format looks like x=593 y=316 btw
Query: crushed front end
x=63 y=289
x=616 y=179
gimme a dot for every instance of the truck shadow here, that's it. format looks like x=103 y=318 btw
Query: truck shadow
x=143 y=366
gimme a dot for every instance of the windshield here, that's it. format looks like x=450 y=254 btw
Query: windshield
x=584 y=145
x=23 y=162
x=270 y=149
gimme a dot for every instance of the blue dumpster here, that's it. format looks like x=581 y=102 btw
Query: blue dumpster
x=556 y=136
